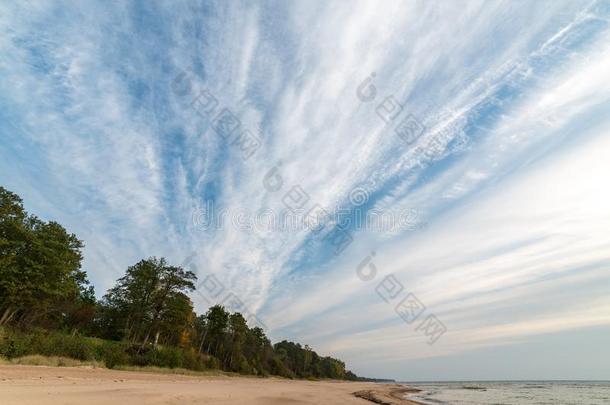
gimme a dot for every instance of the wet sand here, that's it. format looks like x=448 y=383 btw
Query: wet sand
x=34 y=385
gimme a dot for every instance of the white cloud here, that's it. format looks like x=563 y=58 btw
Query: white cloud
x=125 y=162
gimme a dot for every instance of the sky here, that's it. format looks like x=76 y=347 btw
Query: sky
x=417 y=188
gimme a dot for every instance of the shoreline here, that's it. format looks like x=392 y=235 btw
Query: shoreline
x=33 y=385
x=393 y=394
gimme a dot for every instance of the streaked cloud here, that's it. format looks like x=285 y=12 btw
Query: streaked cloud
x=514 y=94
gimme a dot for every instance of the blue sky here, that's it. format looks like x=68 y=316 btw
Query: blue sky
x=504 y=183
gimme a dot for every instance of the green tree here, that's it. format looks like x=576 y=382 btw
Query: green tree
x=200 y=326
x=42 y=285
x=217 y=320
x=39 y=264
x=236 y=340
x=149 y=292
x=175 y=321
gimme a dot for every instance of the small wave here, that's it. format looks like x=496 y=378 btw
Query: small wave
x=473 y=387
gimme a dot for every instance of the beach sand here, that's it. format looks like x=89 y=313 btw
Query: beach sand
x=35 y=385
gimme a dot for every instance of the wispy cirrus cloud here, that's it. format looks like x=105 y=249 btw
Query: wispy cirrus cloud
x=94 y=136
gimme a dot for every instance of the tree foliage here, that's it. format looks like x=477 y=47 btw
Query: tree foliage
x=40 y=275
x=148 y=313
x=148 y=301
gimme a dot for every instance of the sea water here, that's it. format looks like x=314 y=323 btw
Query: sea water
x=514 y=392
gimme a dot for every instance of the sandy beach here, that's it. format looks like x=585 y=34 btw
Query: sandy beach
x=34 y=385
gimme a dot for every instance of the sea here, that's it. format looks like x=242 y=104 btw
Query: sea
x=513 y=392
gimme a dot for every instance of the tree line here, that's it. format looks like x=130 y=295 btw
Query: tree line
x=146 y=318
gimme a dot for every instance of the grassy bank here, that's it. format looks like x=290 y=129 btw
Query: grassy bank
x=42 y=347
x=56 y=361
x=49 y=361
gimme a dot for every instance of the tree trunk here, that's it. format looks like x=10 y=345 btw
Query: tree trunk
x=156 y=339
x=203 y=340
x=201 y=345
x=146 y=339
x=224 y=363
x=9 y=313
x=5 y=316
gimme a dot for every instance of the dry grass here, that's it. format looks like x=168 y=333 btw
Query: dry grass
x=53 y=361
x=180 y=371
x=56 y=361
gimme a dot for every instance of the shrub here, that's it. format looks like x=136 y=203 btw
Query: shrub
x=54 y=361
x=112 y=354
x=165 y=357
x=213 y=362
x=58 y=348
x=58 y=344
x=13 y=345
x=244 y=367
x=193 y=361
